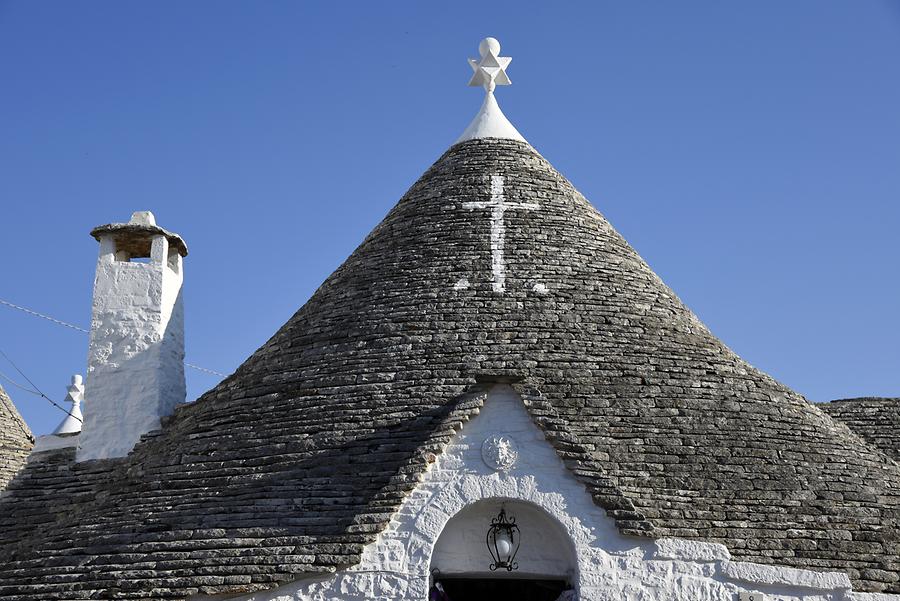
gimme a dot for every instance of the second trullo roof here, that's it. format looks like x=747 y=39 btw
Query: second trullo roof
x=16 y=439
x=296 y=461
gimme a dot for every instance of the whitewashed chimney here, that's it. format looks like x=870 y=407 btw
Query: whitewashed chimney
x=136 y=355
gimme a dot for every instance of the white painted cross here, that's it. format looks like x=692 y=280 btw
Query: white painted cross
x=498 y=206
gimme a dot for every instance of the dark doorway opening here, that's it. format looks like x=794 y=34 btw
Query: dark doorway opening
x=502 y=589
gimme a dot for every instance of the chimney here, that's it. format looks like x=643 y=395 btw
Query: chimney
x=136 y=355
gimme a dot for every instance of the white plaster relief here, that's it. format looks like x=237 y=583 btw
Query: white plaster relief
x=564 y=533
x=498 y=206
x=499 y=452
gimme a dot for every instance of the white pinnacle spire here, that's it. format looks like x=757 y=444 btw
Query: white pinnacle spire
x=72 y=423
x=490 y=71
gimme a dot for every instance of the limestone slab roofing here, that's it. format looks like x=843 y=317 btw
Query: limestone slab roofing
x=875 y=419
x=15 y=440
x=299 y=458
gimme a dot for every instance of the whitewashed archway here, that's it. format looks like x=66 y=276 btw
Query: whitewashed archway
x=545 y=549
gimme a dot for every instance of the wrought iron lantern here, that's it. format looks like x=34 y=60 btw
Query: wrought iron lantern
x=503 y=542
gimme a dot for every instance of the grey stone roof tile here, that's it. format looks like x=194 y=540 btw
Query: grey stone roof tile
x=875 y=419
x=16 y=440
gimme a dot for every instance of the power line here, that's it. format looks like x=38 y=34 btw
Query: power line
x=80 y=329
x=19 y=421
x=42 y=316
x=36 y=390
x=209 y=371
x=17 y=385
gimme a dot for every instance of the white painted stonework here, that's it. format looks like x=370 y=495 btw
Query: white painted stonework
x=499 y=451
x=51 y=442
x=136 y=355
x=490 y=122
x=442 y=524
x=74 y=420
x=66 y=433
x=498 y=206
x=490 y=72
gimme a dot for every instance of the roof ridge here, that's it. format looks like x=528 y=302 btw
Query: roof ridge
x=862 y=399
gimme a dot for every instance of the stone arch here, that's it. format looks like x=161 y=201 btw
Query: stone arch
x=546 y=549
x=460 y=479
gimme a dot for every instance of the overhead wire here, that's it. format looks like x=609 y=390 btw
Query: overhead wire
x=66 y=324
x=17 y=385
x=19 y=422
x=203 y=369
x=42 y=316
x=36 y=390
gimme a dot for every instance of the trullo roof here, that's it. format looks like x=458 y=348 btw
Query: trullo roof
x=298 y=459
x=875 y=419
x=15 y=439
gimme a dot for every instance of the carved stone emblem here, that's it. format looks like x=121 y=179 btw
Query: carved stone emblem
x=499 y=452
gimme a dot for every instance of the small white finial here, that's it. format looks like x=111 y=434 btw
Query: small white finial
x=75 y=394
x=490 y=70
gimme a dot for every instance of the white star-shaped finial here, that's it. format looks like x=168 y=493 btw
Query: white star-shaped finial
x=490 y=70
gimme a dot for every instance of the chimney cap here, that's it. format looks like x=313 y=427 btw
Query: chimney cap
x=141 y=226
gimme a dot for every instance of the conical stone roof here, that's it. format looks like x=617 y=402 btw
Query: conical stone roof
x=875 y=419
x=298 y=459
x=15 y=440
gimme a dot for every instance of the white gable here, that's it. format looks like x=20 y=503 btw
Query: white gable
x=442 y=524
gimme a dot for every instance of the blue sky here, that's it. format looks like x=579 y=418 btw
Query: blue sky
x=749 y=151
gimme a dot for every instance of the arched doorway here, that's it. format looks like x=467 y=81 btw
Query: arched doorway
x=461 y=561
